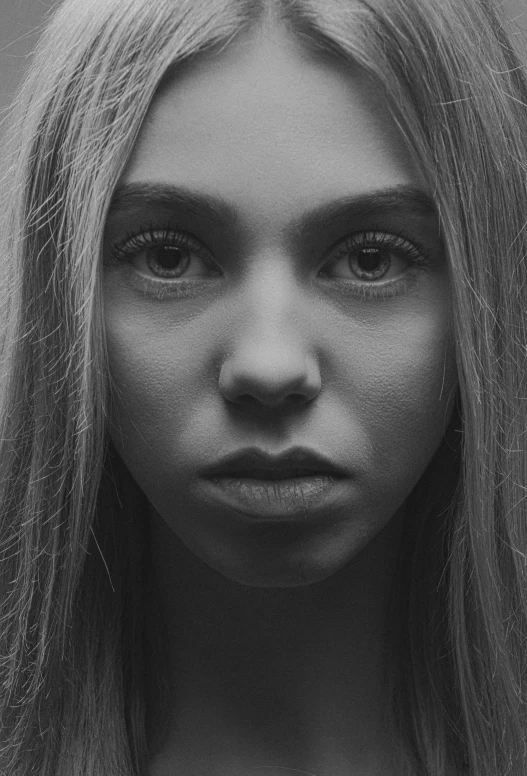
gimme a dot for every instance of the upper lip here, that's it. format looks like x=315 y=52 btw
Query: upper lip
x=253 y=462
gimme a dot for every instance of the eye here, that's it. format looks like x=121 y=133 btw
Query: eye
x=372 y=256
x=166 y=254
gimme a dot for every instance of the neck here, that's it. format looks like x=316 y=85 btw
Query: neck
x=286 y=675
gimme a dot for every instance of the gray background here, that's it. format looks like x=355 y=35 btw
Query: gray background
x=20 y=21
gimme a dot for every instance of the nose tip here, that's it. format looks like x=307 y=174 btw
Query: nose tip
x=272 y=380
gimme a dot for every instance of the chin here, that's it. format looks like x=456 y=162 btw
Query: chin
x=299 y=574
x=298 y=562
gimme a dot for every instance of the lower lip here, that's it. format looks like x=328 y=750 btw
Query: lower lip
x=282 y=499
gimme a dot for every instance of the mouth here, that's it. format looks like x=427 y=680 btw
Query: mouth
x=296 y=483
x=257 y=464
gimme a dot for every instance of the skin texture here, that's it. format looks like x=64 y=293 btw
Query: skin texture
x=275 y=347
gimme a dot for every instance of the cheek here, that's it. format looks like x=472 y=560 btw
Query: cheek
x=159 y=378
x=405 y=392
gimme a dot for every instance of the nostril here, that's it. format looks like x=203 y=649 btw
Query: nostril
x=246 y=398
x=292 y=399
x=296 y=398
x=249 y=380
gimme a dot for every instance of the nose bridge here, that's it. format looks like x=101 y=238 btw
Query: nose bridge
x=270 y=356
x=273 y=313
x=271 y=304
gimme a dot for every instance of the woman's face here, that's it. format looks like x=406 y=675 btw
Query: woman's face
x=274 y=279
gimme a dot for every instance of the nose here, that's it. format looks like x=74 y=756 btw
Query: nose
x=271 y=364
x=272 y=376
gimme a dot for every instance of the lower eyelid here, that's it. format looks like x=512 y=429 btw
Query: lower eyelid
x=160 y=288
x=365 y=290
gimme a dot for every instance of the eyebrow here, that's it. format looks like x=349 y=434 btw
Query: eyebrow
x=400 y=200
x=132 y=196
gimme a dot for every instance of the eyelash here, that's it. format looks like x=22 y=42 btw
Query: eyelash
x=124 y=250
x=414 y=253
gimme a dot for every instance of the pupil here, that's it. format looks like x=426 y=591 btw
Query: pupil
x=369 y=259
x=168 y=257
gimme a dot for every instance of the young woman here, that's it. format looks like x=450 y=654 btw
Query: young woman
x=264 y=392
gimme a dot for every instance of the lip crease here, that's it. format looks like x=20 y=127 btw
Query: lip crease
x=255 y=463
x=296 y=484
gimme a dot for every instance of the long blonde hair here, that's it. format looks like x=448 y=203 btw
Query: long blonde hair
x=72 y=627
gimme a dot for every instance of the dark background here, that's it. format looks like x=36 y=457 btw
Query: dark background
x=21 y=20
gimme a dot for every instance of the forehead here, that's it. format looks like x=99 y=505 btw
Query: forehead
x=270 y=125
